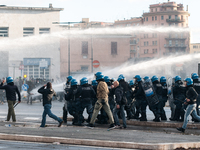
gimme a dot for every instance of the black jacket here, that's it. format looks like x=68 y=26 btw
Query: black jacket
x=138 y=93
x=158 y=88
x=71 y=94
x=47 y=95
x=196 y=85
x=179 y=92
x=164 y=91
x=85 y=92
x=191 y=94
x=11 y=91
x=118 y=95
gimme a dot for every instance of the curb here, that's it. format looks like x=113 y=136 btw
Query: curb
x=98 y=143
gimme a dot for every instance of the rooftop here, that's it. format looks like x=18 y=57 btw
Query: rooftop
x=50 y=8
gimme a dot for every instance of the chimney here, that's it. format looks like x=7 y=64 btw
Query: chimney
x=50 y=5
x=187 y=8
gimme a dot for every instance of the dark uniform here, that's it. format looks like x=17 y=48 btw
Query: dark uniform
x=141 y=102
x=163 y=101
x=85 y=93
x=179 y=92
x=72 y=100
x=128 y=95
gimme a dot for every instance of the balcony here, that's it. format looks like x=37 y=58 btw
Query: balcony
x=178 y=20
x=175 y=45
x=133 y=51
x=133 y=42
x=175 y=38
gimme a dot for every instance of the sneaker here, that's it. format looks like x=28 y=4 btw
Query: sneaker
x=60 y=123
x=181 y=129
x=118 y=127
x=122 y=127
x=112 y=126
x=89 y=125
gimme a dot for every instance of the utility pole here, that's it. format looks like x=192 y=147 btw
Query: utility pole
x=68 y=23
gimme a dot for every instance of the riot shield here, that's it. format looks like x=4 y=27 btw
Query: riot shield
x=170 y=89
x=150 y=94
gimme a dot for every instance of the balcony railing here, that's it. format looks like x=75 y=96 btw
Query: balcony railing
x=175 y=20
x=133 y=43
x=133 y=51
x=175 y=45
x=175 y=38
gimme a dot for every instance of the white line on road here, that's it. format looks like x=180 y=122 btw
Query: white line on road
x=2 y=116
x=32 y=118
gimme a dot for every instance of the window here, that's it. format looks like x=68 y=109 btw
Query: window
x=176 y=17
x=3 y=31
x=181 y=17
x=155 y=35
x=195 y=46
x=154 y=51
x=147 y=43
x=28 y=32
x=144 y=43
x=170 y=16
x=85 y=48
x=146 y=51
x=113 y=48
x=151 y=10
x=162 y=17
x=146 y=18
x=155 y=17
x=152 y=18
x=170 y=42
x=84 y=68
x=155 y=42
x=44 y=30
x=176 y=42
x=152 y=42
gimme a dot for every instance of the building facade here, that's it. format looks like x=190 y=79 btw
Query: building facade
x=24 y=35
x=195 y=48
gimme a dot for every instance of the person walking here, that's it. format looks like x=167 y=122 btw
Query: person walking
x=191 y=96
x=11 y=91
x=47 y=94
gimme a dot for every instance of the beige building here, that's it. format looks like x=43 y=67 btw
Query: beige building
x=21 y=34
x=195 y=48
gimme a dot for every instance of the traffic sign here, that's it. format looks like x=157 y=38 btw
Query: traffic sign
x=25 y=87
x=21 y=67
x=96 y=63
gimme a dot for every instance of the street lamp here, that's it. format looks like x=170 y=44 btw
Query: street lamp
x=68 y=23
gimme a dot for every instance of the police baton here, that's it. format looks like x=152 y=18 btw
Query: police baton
x=15 y=105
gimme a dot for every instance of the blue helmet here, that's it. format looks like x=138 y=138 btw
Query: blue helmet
x=131 y=82
x=163 y=79
x=94 y=82
x=154 y=78
x=99 y=77
x=107 y=79
x=177 y=78
x=9 y=79
x=138 y=78
x=189 y=81
x=84 y=80
x=74 y=82
x=69 y=78
x=146 y=78
x=98 y=73
x=121 y=76
x=194 y=76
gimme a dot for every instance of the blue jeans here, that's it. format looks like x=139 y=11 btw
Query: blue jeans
x=121 y=109
x=191 y=109
x=47 y=111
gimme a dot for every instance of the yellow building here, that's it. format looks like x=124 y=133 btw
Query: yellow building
x=195 y=48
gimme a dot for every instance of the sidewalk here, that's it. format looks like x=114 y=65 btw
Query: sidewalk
x=141 y=136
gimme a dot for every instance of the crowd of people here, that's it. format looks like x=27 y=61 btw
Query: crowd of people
x=113 y=98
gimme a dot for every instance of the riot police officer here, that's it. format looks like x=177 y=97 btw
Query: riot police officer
x=141 y=102
x=179 y=92
x=164 y=97
x=85 y=93
x=71 y=99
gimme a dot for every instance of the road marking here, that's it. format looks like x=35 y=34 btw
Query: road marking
x=32 y=118
x=2 y=116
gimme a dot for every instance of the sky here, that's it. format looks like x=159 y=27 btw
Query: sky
x=109 y=10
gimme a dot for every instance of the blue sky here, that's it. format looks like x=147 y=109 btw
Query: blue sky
x=108 y=10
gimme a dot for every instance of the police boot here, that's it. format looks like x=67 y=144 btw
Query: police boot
x=163 y=117
x=136 y=115
x=157 y=117
x=143 y=117
x=181 y=129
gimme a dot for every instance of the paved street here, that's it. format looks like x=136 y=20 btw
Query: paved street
x=12 y=145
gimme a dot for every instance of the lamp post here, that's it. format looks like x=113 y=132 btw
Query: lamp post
x=68 y=23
